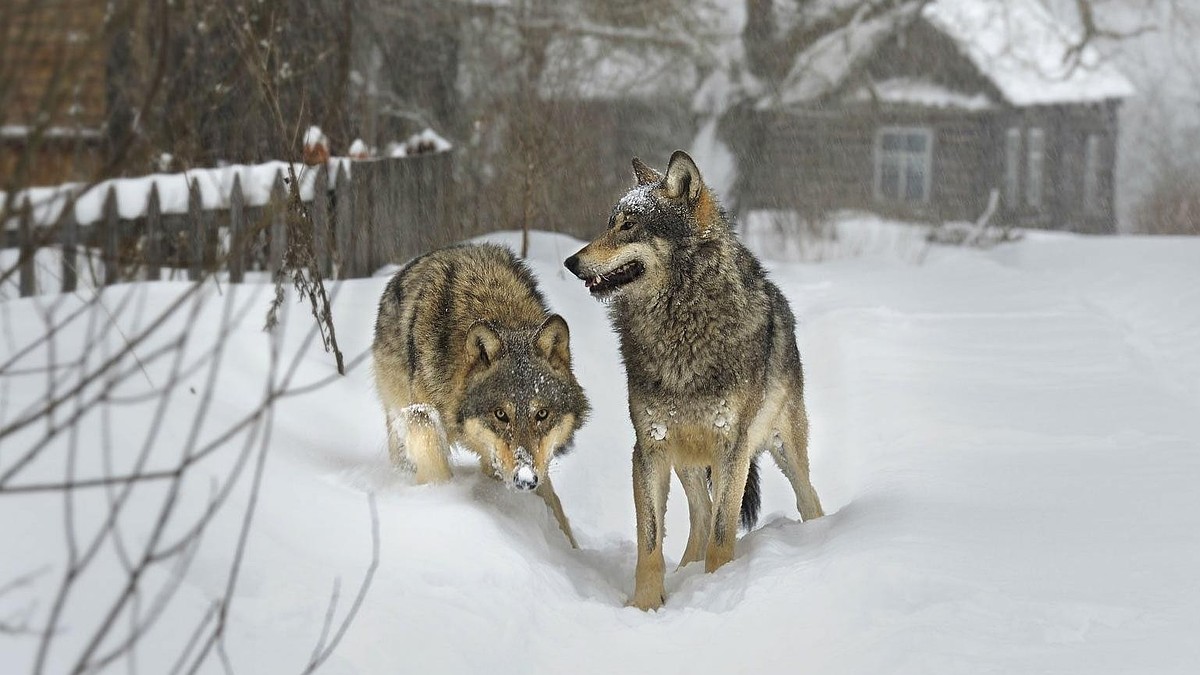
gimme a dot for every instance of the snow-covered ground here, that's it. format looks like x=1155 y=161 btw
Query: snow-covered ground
x=1007 y=444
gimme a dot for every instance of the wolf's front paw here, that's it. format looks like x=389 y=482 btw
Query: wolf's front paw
x=646 y=601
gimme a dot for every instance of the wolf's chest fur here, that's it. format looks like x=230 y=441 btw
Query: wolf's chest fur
x=695 y=342
x=693 y=430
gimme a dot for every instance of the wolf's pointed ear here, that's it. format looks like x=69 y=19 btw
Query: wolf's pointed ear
x=553 y=340
x=483 y=346
x=644 y=174
x=683 y=178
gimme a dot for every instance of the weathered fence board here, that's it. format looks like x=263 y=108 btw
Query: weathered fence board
x=238 y=242
x=154 y=236
x=344 y=196
x=319 y=209
x=362 y=216
x=278 y=232
x=111 y=235
x=27 y=282
x=195 y=239
x=68 y=237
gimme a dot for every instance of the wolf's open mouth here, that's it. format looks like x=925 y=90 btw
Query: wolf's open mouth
x=606 y=283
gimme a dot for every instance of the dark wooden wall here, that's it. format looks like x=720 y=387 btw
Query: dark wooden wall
x=818 y=161
x=821 y=157
x=52 y=60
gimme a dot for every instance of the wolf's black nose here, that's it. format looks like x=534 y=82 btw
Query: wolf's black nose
x=526 y=484
x=572 y=264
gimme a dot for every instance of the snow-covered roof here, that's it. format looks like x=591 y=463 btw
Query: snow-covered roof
x=825 y=65
x=1023 y=50
x=919 y=92
x=588 y=67
x=1026 y=52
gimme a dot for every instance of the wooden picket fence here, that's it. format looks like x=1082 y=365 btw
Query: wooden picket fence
x=362 y=217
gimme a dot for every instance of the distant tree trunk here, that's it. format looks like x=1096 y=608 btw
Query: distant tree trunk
x=427 y=46
x=759 y=37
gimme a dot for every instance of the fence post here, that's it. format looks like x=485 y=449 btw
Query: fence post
x=154 y=235
x=237 y=232
x=196 y=225
x=111 y=238
x=443 y=185
x=279 y=199
x=68 y=238
x=27 y=283
x=402 y=229
x=320 y=220
x=366 y=202
x=344 y=194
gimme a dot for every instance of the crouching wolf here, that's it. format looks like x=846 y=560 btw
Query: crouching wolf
x=710 y=356
x=467 y=353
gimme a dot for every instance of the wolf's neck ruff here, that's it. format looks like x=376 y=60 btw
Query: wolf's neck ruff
x=692 y=336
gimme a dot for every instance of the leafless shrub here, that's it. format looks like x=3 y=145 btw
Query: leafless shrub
x=983 y=233
x=108 y=436
x=1172 y=206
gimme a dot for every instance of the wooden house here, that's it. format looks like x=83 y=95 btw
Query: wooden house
x=937 y=111
x=52 y=91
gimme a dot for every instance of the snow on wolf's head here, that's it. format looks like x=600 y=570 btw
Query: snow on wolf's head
x=662 y=216
x=522 y=402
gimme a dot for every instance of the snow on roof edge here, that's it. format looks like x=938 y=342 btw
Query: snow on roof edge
x=1017 y=45
x=1023 y=50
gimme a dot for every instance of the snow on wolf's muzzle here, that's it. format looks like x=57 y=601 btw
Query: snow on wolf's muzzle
x=524 y=477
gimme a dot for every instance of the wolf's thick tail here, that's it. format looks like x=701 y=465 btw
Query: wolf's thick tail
x=751 y=498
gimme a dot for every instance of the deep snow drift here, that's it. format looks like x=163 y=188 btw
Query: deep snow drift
x=1007 y=444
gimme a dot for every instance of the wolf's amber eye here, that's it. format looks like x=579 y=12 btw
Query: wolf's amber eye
x=501 y=415
x=541 y=414
x=628 y=224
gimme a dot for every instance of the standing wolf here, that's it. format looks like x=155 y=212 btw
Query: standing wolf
x=466 y=352
x=710 y=355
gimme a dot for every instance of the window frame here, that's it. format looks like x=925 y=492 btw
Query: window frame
x=903 y=156
x=1013 y=145
x=1092 y=200
x=1035 y=167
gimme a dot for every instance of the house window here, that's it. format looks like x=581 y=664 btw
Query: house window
x=903 y=164
x=1012 y=167
x=1091 y=176
x=1035 y=166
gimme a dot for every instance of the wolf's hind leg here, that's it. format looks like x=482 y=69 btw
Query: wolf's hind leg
x=395 y=431
x=695 y=486
x=789 y=448
x=729 y=484
x=546 y=490
x=425 y=447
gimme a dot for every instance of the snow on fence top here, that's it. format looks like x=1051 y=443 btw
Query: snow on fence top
x=214 y=188
x=21 y=132
x=419 y=144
